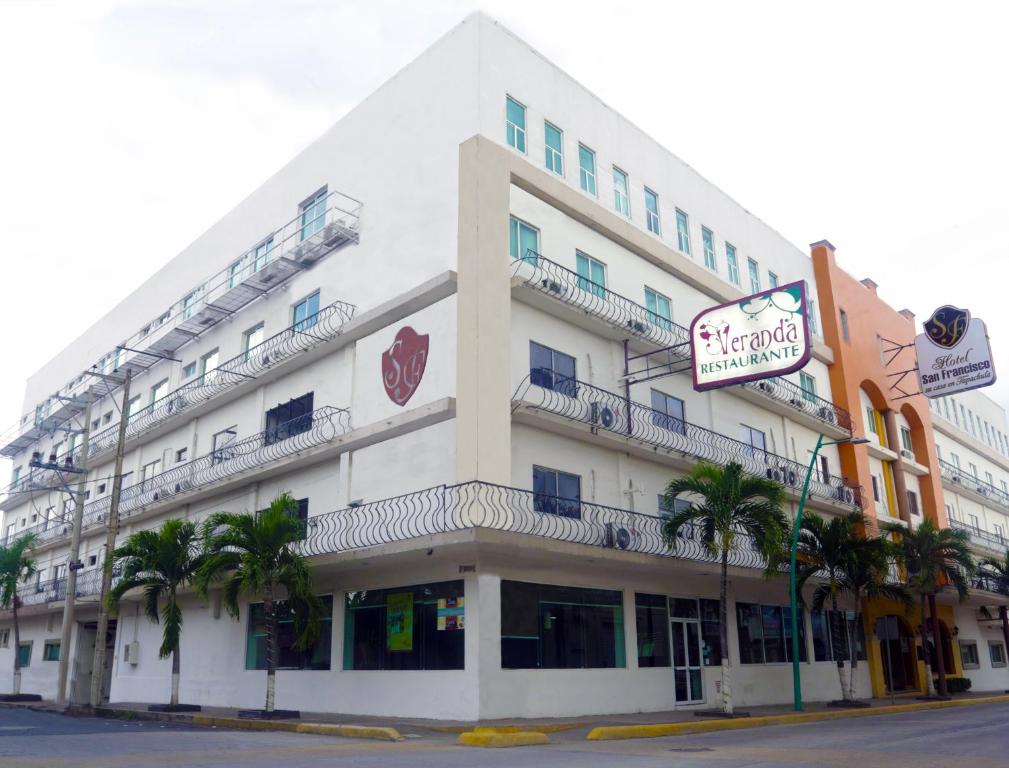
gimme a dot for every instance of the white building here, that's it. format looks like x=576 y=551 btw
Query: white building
x=540 y=242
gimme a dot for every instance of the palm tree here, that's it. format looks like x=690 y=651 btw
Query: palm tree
x=846 y=561
x=256 y=554
x=935 y=557
x=998 y=568
x=728 y=506
x=160 y=563
x=16 y=567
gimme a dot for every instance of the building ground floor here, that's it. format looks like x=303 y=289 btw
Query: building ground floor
x=481 y=623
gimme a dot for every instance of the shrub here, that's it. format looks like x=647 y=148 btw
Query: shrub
x=958 y=684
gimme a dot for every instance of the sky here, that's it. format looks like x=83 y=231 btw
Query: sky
x=130 y=127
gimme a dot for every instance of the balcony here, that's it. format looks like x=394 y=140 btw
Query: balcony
x=271 y=262
x=607 y=412
x=284 y=440
x=649 y=333
x=89 y=583
x=956 y=479
x=991 y=543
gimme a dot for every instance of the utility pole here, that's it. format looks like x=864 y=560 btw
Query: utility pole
x=111 y=530
x=75 y=552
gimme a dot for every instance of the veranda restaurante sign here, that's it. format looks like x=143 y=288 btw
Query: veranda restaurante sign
x=954 y=354
x=757 y=337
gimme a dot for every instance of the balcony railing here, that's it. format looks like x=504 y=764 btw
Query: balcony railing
x=609 y=412
x=987 y=581
x=954 y=474
x=475 y=504
x=89 y=583
x=286 y=439
x=990 y=541
x=562 y=284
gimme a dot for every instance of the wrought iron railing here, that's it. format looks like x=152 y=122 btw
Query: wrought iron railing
x=291 y=437
x=604 y=410
x=89 y=582
x=954 y=474
x=991 y=541
x=594 y=299
x=990 y=582
x=447 y=508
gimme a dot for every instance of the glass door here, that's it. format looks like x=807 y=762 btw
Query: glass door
x=687 y=676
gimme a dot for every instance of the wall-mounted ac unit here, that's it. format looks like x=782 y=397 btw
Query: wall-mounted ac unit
x=789 y=476
x=603 y=415
x=983 y=490
x=846 y=495
x=553 y=287
x=774 y=474
x=617 y=537
x=905 y=453
x=826 y=414
x=637 y=326
x=765 y=386
x=796 y=402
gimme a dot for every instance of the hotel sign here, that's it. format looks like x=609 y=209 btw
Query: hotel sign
x=954 y=354
x=757 y=337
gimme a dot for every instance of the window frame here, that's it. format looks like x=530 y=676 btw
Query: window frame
x=515 y=134
x=568 y=385
x=652 y=217
x=553 y=157
x=654 y=300
x=308 y=207
x=621 y=197
x=753 y=271
x=992 y=645
x=556 y=504
x=586 y=282
x=708 y=246
x=683 y=231
x=310 y=318
x=587 y=177
x=516 y=228
x=732 y=260
x=971 y=645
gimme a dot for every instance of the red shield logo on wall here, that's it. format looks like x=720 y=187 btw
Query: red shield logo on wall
x=403 y=365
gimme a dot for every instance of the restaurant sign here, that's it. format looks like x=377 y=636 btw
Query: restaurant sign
x=756 y=337
x=954 y=354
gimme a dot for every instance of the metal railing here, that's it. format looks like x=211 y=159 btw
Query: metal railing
x=954 y=474
x=990 y=541
x=594 y=299
x=475 y=504
x=89 y=583
x=607 y=411
x=990 y=582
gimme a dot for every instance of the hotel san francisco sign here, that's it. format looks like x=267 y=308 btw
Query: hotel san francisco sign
x=954 y=354
x=757 y=337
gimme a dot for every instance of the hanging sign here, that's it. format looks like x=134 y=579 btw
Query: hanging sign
x=954 y=354
x=757 y=337
x=399 y=621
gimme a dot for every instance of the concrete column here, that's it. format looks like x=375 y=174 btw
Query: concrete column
x=899 y=485
x=483 y=638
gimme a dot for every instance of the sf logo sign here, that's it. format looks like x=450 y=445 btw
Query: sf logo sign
x=403 y=364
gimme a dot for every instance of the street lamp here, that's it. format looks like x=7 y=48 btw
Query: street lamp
x=796 y=684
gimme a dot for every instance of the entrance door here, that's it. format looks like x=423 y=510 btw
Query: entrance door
x=80 y=681
x=897 y=650
x=686 y=639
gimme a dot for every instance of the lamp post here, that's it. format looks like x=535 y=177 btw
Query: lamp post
x=796 y=683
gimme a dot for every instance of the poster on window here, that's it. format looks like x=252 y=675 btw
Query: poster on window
x=399 y=621
x=954 y=354
x=450 y=613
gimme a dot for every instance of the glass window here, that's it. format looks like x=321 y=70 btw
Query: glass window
x=667 y=412
x=262 y=255
x=222 y=445
x=808 y=385
x=591 y=274
x=51 y=650
x=557 y=493
x=515 y=124
x=905 y=438
x=289 y=419
x=418 y=627
x=772 y=279
x=25 y=654
x=754 y=270
x=189 y=370
x=845 y=333
x=751 y=634
x=552 y=370
x=313 y=215
x=755 y=439
x=235 y=274
x=996 y=651
x=765 y=634
x=652 y=211
x=587 y=169
x=306 y=312
x=132 y=405
x=315 y=656
x=711 y=638
x=708 y=241
x=523 y=240
x=208 y=366
x=553 y=139
x=912 y=501
x=682 y=231
x=827 y=624
x=552 y=627
x=652 y=620
x=660 y=308
x=621 y=199
x=969 y=655
x=159 y=390
x=730 y=259
x=252 y=338
x=189 y=303
x=870 y=419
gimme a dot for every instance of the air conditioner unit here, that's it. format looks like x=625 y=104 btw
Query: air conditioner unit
x=955 y=478
x=553 y=287
x=982 y=490
x=603 y=415
x=182 y=485
x=790 y=476
x=617 y=537
x=905 y=453
x=637 y=326
x=846 y=495
x=827 y=414
x=774 y=474
x=765 y=386
x=796 y=402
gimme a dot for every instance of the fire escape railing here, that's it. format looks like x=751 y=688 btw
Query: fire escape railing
x=954 y=474
x=602 y=410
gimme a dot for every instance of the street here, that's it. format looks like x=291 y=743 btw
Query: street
x=919 y=740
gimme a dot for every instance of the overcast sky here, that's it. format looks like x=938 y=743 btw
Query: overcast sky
x=130 y=127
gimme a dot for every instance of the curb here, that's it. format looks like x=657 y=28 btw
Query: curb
x=613 y=732
x=500 y=737
x=518 y=728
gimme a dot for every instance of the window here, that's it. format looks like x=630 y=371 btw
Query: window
x=419 y=627
x=831 y=626
x=950 y=512
x=131 y=406
x=682 y=232
x=591 y=274
x=222 y=445
x=552 y=370
x=651 y=616
x=189 y=370
x=262 y=254
x=905 y=439
x=235 y=274
x=289 y=419
x=973 y=469
x=989 y=479
x=553 y=627
x=765 y=634
x=667 y=510
x=755 y=439
x=159 y=390
x=313 y=214
x=553 y=139
x=621 y=200
x=969 y=655
x=711 y=632
x=5 y=638
x=305 y=313
x=523 y=240
x=912 y=503
x=181 y=455
x=208 y=366
x=25 y=654
x=708 y=241
x=956 y=459
x=150 y=470
x=808 y=385
x=189 y=302
x=660 y=308
x=16 y=474
x=315 y=656
x=875 y=487
x=999 y=532
x=51 y=650
x=557 y=493
x=96 y=423
x=101 y=488
x=667 y=412
x=652 y=212
x=515 y=124
x=251 y=339
x=845 y=333
x=870 y=419
x=754 y=270
x=975 y=524
x=730 y=259
x=772 y=279
x=996 y=651
x=587 y=169
x=811 y=315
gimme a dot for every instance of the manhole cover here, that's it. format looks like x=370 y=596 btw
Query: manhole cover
x=690 y=749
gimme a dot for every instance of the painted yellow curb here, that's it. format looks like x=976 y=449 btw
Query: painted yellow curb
x=514 y=739
x=519 y=728
x=322 y=729
x=612 y=732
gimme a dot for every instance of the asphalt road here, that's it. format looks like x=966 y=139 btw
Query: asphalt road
x=976 y=736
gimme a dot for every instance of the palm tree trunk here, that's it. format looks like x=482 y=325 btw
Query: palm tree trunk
x=175 y=676
x=852 y=650
x=940 y=663
x=835 y=646
x=1004 y=615
x=723 y=633
x=271 y=644
x=928 y=659
x=17 y=647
